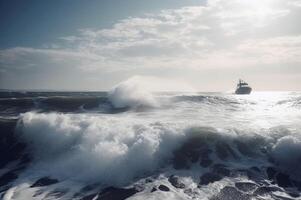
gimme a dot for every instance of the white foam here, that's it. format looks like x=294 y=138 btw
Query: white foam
x=138 y=91
x=96 y=148
x=9 y=194
x=20 y=192
x=132 y=94
x=118 y=149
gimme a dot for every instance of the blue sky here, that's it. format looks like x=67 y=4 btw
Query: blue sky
x=94 y=45
x=34 y=22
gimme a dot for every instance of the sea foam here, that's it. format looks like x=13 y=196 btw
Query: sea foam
x=131 y=93
x=94 y=148
x=193 y=135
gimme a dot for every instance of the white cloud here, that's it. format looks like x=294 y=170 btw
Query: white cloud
x=224 y=34
x=286 y=49
x=296 y=3
x=242 y=15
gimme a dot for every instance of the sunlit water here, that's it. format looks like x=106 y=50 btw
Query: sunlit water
x=121 y=138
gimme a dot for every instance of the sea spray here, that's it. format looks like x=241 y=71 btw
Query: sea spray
x=138 y=91
x=220 y=142
x=132 y=94
x=94 y=148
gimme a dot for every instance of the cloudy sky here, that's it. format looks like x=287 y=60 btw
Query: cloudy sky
x=93 y=45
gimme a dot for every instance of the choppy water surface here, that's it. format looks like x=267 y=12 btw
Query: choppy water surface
x=137 y=145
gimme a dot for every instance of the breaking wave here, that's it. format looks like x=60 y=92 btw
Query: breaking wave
x=94 y=148
x=132 y=95
x=91 y=148
x=136 y=143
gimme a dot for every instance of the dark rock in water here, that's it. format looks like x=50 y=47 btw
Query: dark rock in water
x=163 y=188
x=174 y=180
x=209 y=178
x=154 y=189
x=266 y=190
x=271 y=172
x=231 y=193
x=246 y=186
x=7 y=178
x=283 y=180
x=45 y=181
x=113 y=193
x=221 y=170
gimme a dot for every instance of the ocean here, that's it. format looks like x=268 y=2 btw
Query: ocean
x=133 y=144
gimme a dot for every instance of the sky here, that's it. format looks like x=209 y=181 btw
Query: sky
x=94 y=45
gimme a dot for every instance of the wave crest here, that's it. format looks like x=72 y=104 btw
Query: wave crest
x=93 y=148
x=131 y=94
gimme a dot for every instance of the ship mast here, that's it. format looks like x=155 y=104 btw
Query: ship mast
x=239 y=83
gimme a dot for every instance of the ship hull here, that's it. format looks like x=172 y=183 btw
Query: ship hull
x=243 y=90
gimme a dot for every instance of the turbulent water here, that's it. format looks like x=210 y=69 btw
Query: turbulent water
x=132 y=144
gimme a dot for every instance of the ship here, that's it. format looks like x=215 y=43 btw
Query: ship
x=243 y=88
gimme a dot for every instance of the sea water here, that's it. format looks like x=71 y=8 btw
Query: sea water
x=197 y=145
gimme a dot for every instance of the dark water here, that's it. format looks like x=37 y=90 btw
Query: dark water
x=137 y=145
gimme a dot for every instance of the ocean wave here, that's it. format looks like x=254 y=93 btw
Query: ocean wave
x=78 y=150
x=131 y=95
x=55 y=104
x=127 y=96
x=292 y=102
x=94 y=148
x=207 y=98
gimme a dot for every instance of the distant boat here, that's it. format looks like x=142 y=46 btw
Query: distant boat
x=243 y=88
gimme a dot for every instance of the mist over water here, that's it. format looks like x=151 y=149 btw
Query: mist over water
x=129 y=134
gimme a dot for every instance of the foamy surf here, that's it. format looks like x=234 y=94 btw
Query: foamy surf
x=192 y=146
x=130 y=95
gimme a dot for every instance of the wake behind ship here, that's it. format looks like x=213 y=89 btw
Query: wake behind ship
x=243 y=88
